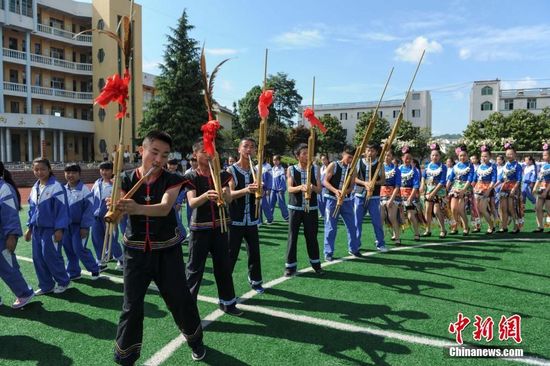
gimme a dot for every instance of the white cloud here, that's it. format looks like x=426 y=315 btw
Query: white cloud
x=151 y=66
x=464 y=53
x=304 y=38
x=504 y=44
x=221 y=51
x=379 y=36
x=525 y=83
x=411 y=51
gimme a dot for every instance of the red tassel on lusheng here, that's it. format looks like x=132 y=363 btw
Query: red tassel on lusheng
x=310 y=116
x=265 y=100
x=115 y=90
x=209 y=130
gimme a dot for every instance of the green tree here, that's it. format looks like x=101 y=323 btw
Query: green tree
x=381 y=129
x=334 y=139
x=178 y=107
x=299 y=135
x=420 y=138
x=249 y=119
x=287 y=100
x=276 y=140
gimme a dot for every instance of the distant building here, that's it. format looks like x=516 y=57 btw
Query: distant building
x=51 y=75
x=148 y=88
x=488 y=97
x=418 y=110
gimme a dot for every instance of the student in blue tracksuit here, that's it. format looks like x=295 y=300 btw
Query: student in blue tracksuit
x=320 y=199
x=48 y=223
x=529 y=179
x=81 y=213
x=365 y=178
x=174 y=167
x=267 y=179
x=278 y=187
x=189 y=210
x=334 y=179
x=542 y=190
x=10 y=231
x=101 y=191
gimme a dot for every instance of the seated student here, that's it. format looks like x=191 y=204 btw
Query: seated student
x=206 y=236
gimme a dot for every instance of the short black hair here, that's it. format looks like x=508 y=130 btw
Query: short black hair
x=374 y=145
x=158 y=135
x=299 y=149
x=198 y=145
x=349 y=149
x=247 y=138
x=45 y=161
x=173 y=161
x=106 y=165
x=73 y=167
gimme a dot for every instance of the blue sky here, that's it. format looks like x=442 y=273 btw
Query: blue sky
x=350 y=46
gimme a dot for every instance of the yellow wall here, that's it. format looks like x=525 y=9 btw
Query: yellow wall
x=109 y=10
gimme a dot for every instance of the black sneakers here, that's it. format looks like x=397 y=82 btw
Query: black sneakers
x=198 y=352
x=231 y=309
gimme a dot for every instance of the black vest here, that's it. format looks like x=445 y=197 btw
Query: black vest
x=242 y=208
x=367 y=176
x=337 y=180
x=206 y=216
x=296 y=200
x=148 y=232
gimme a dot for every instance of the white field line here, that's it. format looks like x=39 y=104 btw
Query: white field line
x=164 y=353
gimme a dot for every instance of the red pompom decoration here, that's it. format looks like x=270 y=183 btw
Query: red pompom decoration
x=265 y=100
x=314 y=121
x=209 y=130
x=115 y=90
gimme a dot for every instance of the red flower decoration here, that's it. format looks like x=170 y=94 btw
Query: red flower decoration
x=458 y=150
x=310 y=116
x=405 y=149
x=508 y=145
x=545 y=147
x=209 y=130
x=265 y=100
x=115 y=90
x=484 y=148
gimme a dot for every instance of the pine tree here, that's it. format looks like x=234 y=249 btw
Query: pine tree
x=178 y=106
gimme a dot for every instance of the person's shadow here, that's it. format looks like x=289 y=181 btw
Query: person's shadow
x=24 y=348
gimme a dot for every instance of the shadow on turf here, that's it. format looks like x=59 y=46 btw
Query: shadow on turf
x=70 y=321
x=24 y=348
x=331 y=342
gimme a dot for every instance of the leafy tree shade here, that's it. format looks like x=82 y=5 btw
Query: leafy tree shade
x=334 y=139
x=527 y=129
x=284 y=107
x=287 y=100
x=276 y=140
x=178 y=107
x=299 y=135
x=381 y=129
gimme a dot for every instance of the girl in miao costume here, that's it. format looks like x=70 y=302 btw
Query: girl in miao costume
x=485 y=178
x=510 y=194
x=459 y=186
x=390 y=197
x=542 y=191
x=410 y=184
x=433 y=184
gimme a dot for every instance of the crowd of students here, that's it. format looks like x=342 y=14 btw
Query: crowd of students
x=404 y=193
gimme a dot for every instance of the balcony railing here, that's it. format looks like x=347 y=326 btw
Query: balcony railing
x=52 y=92
x=63 y=33
x=50 y=61
x=15 y=87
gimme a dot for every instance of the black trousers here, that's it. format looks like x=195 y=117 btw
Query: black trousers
x=310 y=220
x=202 y=242
x=167 y=269
x=250 y=234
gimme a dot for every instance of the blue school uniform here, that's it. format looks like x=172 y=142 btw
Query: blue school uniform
x=267 y=180
x=278 y=190
x=48 y=212
x=346 y=211
x=529 y=178
x=101 y=192
x=10 y=225
x=81 y=212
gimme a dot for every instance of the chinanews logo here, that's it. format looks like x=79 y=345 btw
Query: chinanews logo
x=509 y=328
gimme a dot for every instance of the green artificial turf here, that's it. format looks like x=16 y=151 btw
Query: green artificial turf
x=417 y=291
